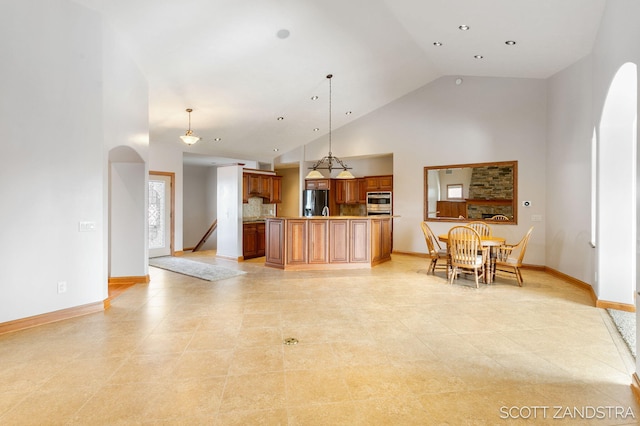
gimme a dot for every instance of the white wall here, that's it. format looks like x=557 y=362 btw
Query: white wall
x=569 y=134
x=52 y=158
x=482 y=120
x=576 y=100
x=126 y=147
x=128 y=254
x=211 y=206
x=229 y=212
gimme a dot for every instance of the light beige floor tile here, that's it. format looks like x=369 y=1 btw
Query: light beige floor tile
x=421 y=378
x=309 y=357
x=275 y=417
x=194 y=365
x=210 y=339
x=257 y=359
x=145 y=368
x=335 y=414
x=259 y=336
x=388 y=346
x=316 y=387
x=392 y=410
x=47 y=408
x=256 y=392
x=172 y=342
x=176 y=400
x=116 y=404
x=371 y=381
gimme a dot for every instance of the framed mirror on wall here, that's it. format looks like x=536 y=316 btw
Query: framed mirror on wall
x=468 y=192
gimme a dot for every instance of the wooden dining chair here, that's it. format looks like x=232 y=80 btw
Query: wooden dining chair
x=466 y=252
x=500 y=217
x=509 y=257
x=436 y=252
x=482 y=228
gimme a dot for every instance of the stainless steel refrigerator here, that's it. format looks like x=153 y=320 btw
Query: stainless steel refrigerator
x=315 y=202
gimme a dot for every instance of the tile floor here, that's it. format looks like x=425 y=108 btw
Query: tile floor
x=388 y=346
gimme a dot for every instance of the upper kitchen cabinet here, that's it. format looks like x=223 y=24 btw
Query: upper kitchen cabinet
x=347 y=191
x=257 y=185
x=275 y=189
x=379 y=183
x=362 y=191
x=245 y=188
x=317 y=184
x=264 y=186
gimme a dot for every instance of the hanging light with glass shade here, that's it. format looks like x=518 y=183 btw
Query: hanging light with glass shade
x=329 y=162
x=189 y=138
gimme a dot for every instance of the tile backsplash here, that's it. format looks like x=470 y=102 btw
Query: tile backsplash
x=353 y=210
x=255 y=208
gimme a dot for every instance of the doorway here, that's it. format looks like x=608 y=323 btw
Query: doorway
x=160 y=213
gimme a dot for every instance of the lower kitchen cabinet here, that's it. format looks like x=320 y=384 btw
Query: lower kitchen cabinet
x=253 y=240
x=331 y=242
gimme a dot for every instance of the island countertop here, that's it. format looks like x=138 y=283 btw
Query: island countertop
x=327 y=242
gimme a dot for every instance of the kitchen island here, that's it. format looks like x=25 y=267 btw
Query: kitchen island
x=327 y=242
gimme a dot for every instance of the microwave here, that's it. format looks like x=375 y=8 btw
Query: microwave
x=379 y=203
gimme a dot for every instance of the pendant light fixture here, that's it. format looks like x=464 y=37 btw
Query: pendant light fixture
x=189 y=137
x=329 y=162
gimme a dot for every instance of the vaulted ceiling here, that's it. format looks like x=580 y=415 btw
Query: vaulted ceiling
x=241 y=64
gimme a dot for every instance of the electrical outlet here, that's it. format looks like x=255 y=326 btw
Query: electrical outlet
x=62 y=287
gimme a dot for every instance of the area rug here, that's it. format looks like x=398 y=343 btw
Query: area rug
x=204 y=271
x=626 y=324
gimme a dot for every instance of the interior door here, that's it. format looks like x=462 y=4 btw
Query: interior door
x=159 y=214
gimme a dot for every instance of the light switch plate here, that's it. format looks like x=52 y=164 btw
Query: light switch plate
x=86 y=226
x=536 y=218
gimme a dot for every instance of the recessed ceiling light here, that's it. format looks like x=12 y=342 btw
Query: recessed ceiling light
x=464 y=27
x=217 y=139
x=283 y=33
x=348 y=113
x=478 y=56
x=437 y=43
x=458 y=81
x=316 y=129
x=280 y=118
x=510 y=42
x=314 y=98
x=276 y=149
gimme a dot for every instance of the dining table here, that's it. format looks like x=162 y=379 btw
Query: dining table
x=490 y=241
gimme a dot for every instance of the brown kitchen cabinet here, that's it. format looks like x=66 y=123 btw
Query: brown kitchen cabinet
x=380 y=240
x=253 y=240
x=255 y=185
x=379 y=183
x=265 y=186
x=317 y=184
x=333 y=242
x=362 y=191
x=317 y=238
x=346 y=191
x=275 y=189
x=275 y=241
x=245 y=188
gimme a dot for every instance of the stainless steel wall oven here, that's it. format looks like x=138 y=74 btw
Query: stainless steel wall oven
x=379 y=203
